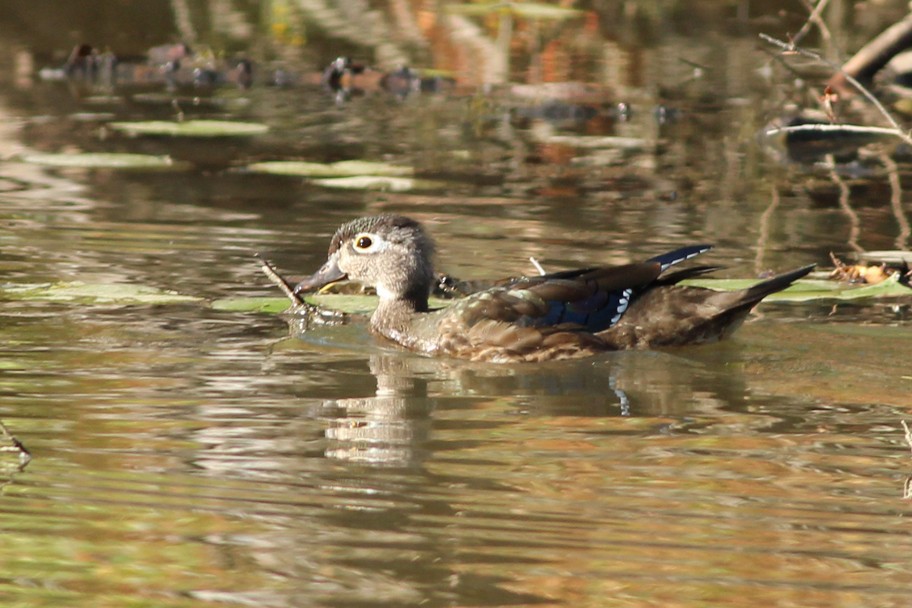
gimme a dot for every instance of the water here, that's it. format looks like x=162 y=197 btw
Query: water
x=188 y=456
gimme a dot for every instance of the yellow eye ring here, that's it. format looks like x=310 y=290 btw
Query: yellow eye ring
x=363 y=242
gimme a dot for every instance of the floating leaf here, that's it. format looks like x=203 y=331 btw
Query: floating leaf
x=807 y=290
x=376 y=182
x=273 y=305
x=102 y=160
x=113 y=293
x=894 y=256
x=529 y=10
x=345 y=168
x=348 y=303
x=191 y=128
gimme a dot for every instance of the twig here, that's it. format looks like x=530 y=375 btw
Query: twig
x=813 y=18
x=276 y=278
x=876 y=54
x=827 y=128
x=789 y=47
x=538 y=266
x=24 y=455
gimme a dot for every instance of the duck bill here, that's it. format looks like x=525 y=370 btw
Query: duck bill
x=329 y=273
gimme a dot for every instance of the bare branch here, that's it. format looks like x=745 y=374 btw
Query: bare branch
x=276 y=278
x=815 y=19
x=790 y=47
x=24 y=455
x=875 y=55
x=828 y=128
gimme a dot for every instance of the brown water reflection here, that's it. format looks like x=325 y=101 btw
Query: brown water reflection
x=186 y=456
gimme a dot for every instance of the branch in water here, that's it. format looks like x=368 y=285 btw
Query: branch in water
x=270 y=271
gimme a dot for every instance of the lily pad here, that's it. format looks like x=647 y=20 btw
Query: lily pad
x=529 y=10
x=345 y=168
x=273 y=305
x=191 y=128
x=101 y=293
x=889 y=256
x=807 y=290
x=356 y=304
x=102 y=160
x=377 y=182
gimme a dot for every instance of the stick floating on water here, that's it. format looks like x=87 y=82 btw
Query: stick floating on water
x=276 y=278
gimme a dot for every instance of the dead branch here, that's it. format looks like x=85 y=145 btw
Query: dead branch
x=24 y=455
x=791 y=48
x=826 y=128
x=814 y=19
x=874 y=56
x=270 y=271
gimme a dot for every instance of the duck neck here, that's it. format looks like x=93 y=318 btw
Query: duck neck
x=412 y=299
x=395 y=310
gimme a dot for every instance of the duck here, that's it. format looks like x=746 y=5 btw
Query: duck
x=561 y=315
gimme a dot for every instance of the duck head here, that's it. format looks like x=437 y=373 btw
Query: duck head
x=390 y=253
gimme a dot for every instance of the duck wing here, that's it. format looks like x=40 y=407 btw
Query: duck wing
x=596 y=298
x=590 y=300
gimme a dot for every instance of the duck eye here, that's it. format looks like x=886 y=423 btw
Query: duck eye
x=363 y=242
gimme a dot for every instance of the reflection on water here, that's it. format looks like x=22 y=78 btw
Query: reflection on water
x=186 y=456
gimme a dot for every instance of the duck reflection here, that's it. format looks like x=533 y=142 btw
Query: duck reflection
x=394 y=425
x=388 y=427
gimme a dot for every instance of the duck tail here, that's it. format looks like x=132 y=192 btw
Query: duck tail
x=757 y=292
x=675 y=315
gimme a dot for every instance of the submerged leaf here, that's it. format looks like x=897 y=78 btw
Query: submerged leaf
x=356 y=304
x=273 y=305
x=102 y=160
x=107 y=293
x=529 y=10
x=345 y=168
x=376 y=182
x=807 y=290
x=191 y=128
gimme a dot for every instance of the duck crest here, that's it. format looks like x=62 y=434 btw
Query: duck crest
x=375 y=223
x=561 y=315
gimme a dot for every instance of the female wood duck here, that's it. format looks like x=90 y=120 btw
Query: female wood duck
x=562 y=315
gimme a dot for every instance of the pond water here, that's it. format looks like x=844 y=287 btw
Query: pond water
x=187 y=455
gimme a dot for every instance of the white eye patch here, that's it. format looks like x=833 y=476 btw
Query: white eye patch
x=366 y=242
